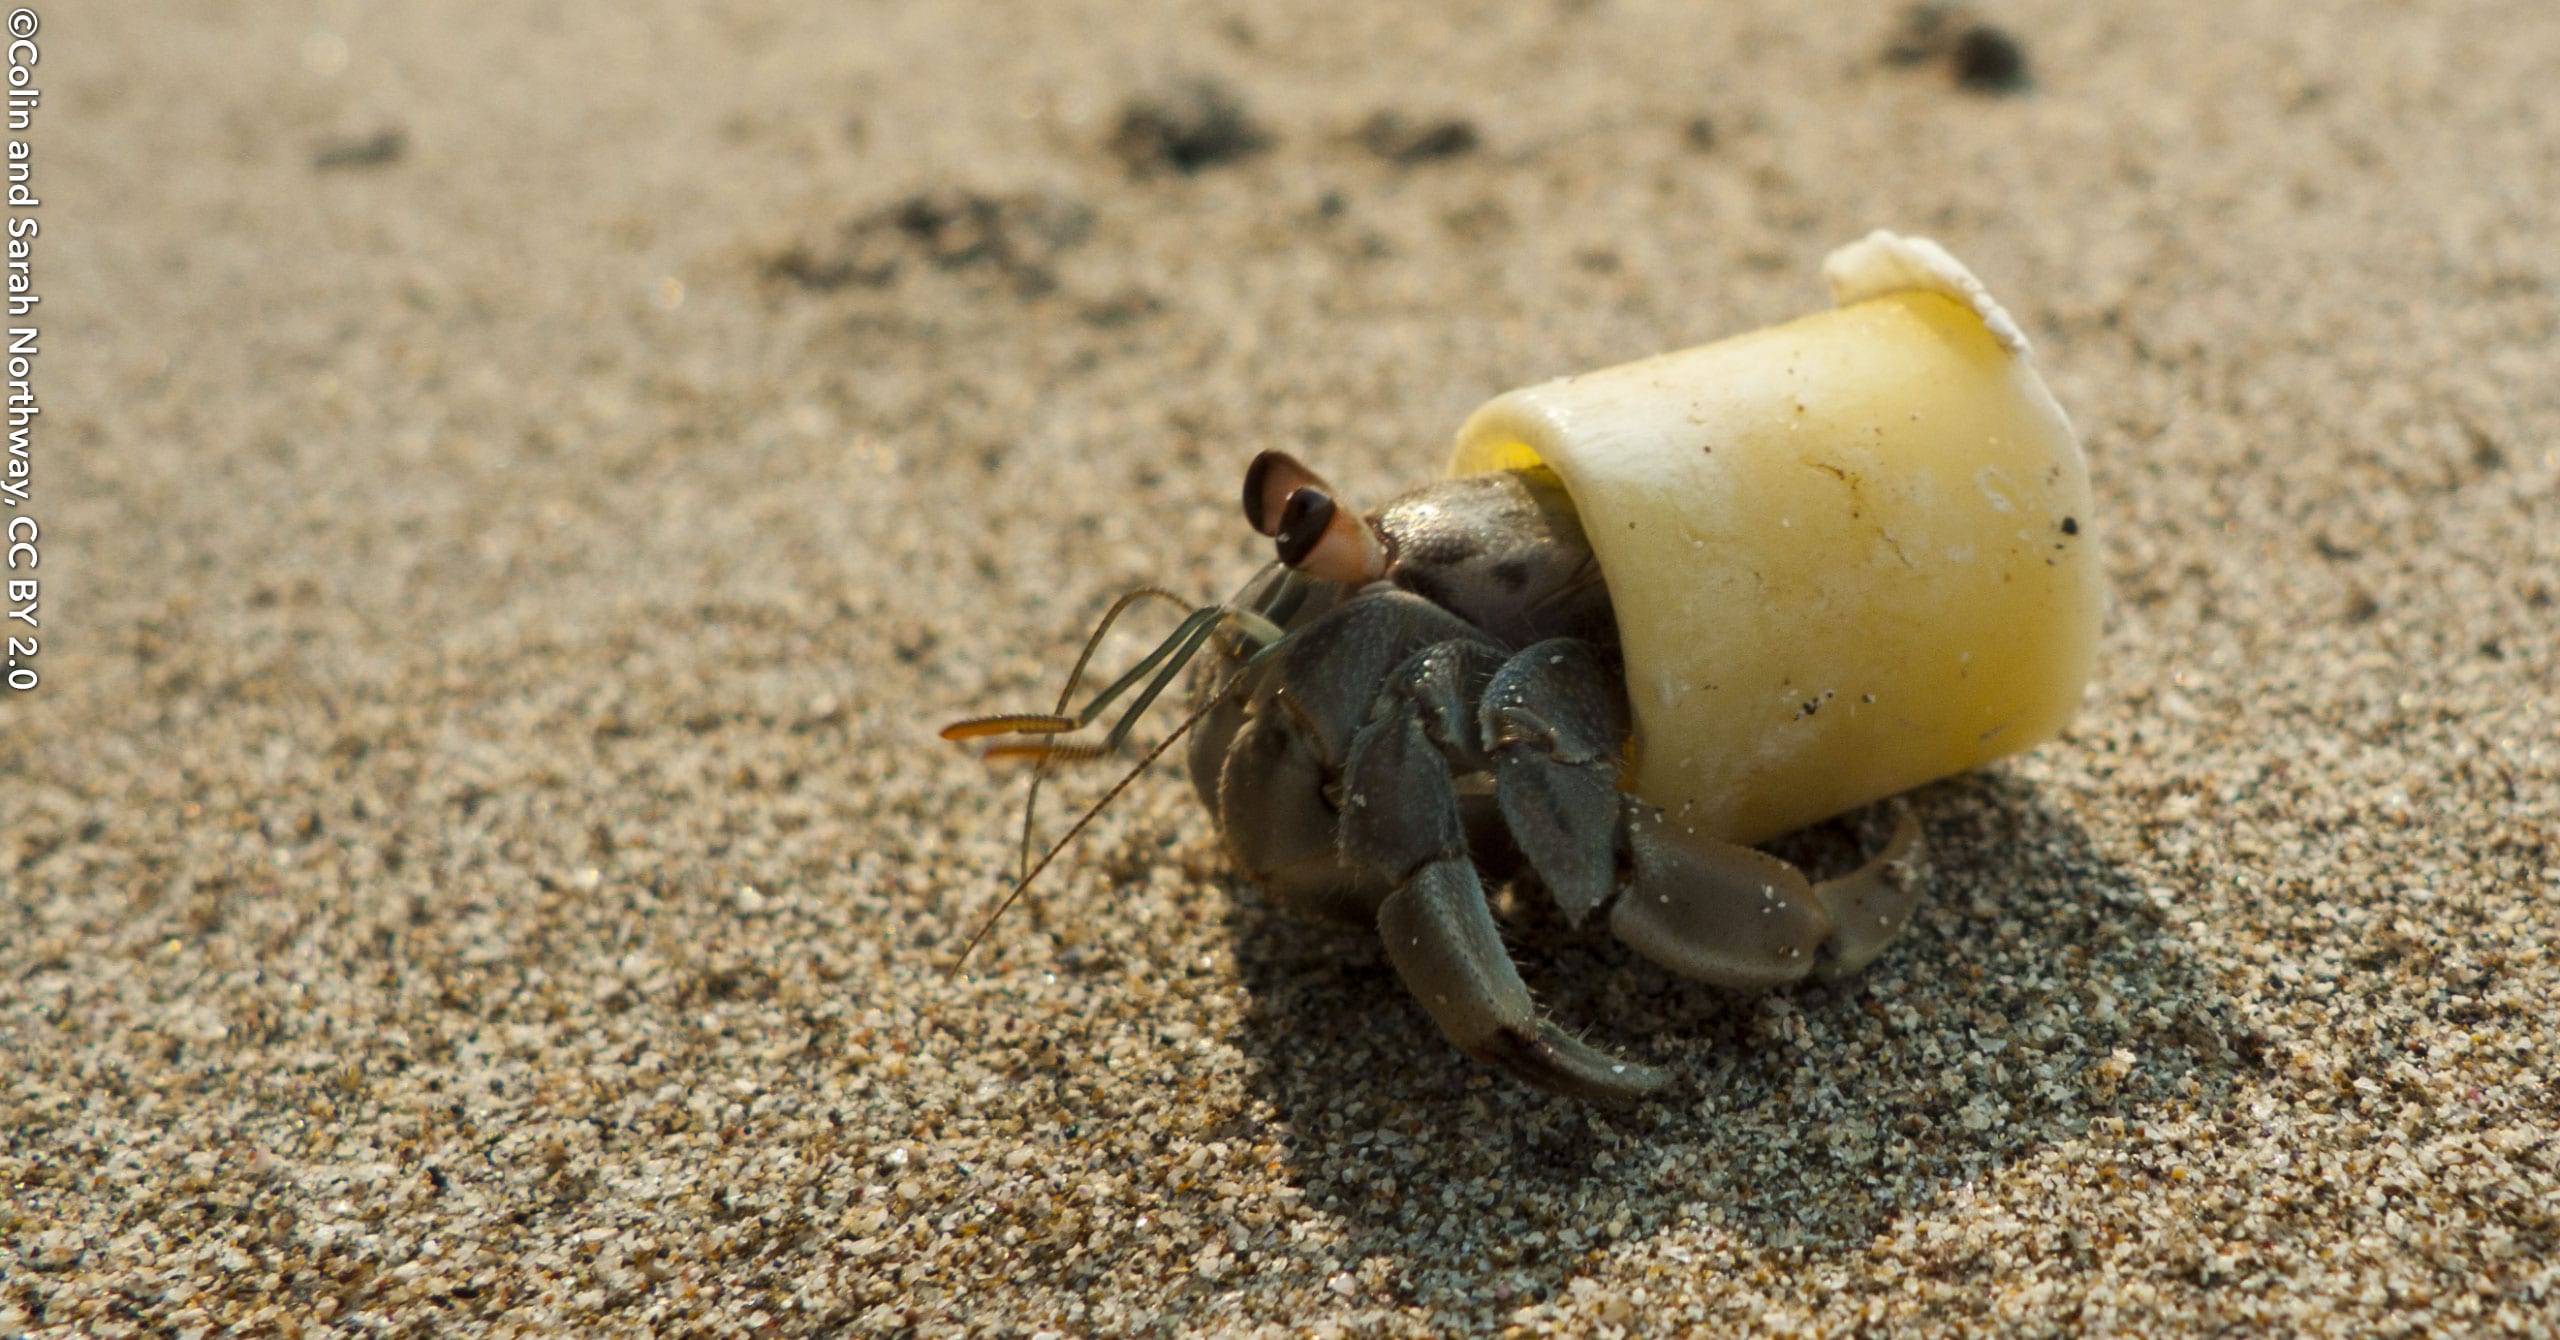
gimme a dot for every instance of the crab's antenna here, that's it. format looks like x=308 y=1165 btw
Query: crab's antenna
x=1261 y=636
x=1110 y=616
x=1174 y=652
x=1058 y=722
x=1179 y=648
x=1095 y=811
x=1165 y=662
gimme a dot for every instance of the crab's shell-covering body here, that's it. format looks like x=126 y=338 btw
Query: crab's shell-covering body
x=1848 y=555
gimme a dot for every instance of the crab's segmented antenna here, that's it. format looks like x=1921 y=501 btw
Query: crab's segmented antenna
x=1163 y=663
x=1057 y=722
x=1041 y=754
x=1010 y=723
x=1076 y=830
x=1156 y=670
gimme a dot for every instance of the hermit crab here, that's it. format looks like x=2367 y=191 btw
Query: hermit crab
x=1654 y=614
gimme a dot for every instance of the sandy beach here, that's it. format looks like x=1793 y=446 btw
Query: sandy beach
x=520 y=489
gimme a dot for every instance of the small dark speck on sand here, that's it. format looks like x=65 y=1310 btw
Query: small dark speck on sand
x=380 y=149
x=1391 y=137
x=1200 y=124
x=1989 y=60
x=1015 y=237
x=1982 y=57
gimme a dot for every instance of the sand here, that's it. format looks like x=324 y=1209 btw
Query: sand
x=520 y=489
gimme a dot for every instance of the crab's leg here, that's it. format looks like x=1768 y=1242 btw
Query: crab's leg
x=1552 y=722
x=1274 y=775
x=1743 y=918
x=1277 y=596
x=1400 y=817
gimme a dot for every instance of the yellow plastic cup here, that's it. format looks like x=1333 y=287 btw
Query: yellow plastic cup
x=1849 y=555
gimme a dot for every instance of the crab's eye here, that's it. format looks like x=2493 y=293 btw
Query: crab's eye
x=1326 y=541
x=1304 y=518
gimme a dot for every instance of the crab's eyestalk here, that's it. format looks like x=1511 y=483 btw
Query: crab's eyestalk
x=1327 y=541
x=1311 y=532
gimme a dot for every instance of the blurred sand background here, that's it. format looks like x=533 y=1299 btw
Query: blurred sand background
x=520 y=485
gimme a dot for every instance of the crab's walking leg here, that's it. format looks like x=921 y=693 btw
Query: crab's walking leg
x=1870 y=905
x=1743 y=918
x=1552 y=722
x=1400 y=817
x=1268 y=764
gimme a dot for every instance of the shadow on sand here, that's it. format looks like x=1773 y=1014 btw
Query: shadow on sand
x=2036 y=992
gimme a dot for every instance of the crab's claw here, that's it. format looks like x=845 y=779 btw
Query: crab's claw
x=1441 y=937
x=1439 y=929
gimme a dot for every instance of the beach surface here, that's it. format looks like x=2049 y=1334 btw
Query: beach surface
x=519 y=490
